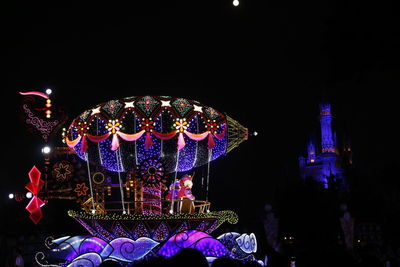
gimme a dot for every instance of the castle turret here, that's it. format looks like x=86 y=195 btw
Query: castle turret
x=327 y=140
x=311 y=152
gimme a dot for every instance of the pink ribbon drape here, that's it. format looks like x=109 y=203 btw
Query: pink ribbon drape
x=131 y=137
x=165 y=136
x=148 y=140
x=73 y=143
x=126 y=137
x=197 y=137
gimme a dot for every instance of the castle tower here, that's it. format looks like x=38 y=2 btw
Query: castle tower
x=327 y=140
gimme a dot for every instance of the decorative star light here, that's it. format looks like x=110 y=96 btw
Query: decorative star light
x=165 y=103
x=198 y=108
x=129 y=104
x=96 y=110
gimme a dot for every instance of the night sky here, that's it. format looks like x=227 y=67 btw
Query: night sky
x=267 y=65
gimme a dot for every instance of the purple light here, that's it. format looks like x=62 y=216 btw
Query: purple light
x=69 y=248
x=87 y=250
x=128 y=250
x=328 y=144
x=201 y=241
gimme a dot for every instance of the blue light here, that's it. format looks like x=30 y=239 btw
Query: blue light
x=220 y=146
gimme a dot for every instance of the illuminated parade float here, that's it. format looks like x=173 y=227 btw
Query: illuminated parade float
x=130 y=164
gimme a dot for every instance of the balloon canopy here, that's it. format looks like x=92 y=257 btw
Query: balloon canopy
x=175 y=133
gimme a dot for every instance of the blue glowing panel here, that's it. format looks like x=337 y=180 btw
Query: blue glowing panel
x=229 y=239
x=241 y=245
x=71 y=247
x=248 y=243
x=109 y=157
x=78 y=150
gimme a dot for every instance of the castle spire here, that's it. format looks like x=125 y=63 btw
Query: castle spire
x=311 y=152
x=328 y=144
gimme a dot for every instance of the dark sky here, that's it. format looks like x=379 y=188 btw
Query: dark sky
x=267 y=64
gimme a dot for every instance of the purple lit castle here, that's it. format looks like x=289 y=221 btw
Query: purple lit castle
x=325 y=165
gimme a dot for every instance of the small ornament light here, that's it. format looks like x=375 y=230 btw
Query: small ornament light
x=46 y=150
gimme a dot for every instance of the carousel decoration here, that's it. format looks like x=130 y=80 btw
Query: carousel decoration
x=178 y=131
x=120 y=159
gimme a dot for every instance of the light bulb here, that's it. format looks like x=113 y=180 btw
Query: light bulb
x=48 y=91
x=11 y=196
x=28 y=195
x=46 y=150
x=235 y=2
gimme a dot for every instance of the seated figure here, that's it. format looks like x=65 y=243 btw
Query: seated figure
x=185 y=194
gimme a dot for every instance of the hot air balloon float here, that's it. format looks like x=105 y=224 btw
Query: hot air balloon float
x=136 y=158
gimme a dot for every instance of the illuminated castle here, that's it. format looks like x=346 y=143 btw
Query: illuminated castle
x=325 y=165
